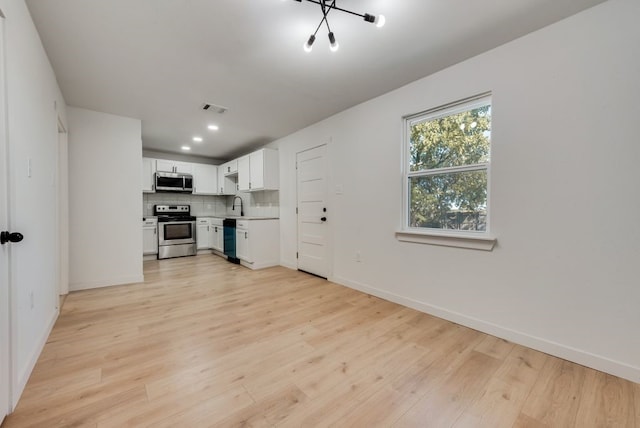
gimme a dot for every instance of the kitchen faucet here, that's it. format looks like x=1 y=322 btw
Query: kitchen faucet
x=233 y=205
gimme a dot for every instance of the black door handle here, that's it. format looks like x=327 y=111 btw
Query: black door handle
x=5 y=237
x=323 y=218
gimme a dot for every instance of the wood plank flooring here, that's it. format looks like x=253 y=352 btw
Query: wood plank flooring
x=203 y=342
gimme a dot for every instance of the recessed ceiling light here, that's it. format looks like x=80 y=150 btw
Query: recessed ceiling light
x=213 y=127
x=187 y=148
x=197 y=139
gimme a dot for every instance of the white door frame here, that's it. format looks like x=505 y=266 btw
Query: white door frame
x=6 y=374
x=62 y=211
x=329 y=240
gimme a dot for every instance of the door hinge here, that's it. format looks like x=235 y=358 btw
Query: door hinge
x=296 y=254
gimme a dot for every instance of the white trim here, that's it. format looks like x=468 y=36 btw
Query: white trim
x=453 y=238
x=578 y=356
x=76 y=286
x=23 y=377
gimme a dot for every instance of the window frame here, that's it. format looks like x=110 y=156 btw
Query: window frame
x=476 y=239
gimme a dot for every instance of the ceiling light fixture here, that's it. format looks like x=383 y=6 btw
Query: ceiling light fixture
x=327 y=6
x=186 y=148
x=213 y=127
x=197 y=139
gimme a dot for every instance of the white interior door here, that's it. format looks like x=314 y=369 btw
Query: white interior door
x=313 y=215
x=5 y=373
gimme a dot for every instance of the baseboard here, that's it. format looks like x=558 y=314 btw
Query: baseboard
x=76 y=286
x=23 y=376
x=575 y=355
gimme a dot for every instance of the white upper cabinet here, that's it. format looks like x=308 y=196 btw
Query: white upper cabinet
x=230 y=168
x=205 y=179
x=226 y=183
x=148 y=169
x=174 y=166
x=259 y=171
x=244 y=173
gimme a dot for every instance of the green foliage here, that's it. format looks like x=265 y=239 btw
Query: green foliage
x=454 y=199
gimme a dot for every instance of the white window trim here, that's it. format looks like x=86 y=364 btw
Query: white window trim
x=477 y=240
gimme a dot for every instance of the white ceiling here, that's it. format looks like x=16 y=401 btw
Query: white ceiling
x=160 y=60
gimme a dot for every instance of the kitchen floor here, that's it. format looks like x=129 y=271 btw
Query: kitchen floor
x=203 y=342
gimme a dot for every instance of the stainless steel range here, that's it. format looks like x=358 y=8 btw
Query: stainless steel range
x=176 y=231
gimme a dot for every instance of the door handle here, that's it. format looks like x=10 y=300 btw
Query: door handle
x=5 y=237
x=323 y=219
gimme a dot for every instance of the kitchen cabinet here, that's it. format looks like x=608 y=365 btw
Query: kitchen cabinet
x=205 y=179
x=257 y=242
x=149 y=236
x=174 y=166
x=226 y=183
x=202 y=233
x=216 y=234
x=230 y=168
x=244 y=173
x=258 y=171
x=148 y=171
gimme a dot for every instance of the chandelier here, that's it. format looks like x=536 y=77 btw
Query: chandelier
x=327 y=6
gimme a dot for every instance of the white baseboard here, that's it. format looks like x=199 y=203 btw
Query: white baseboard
x=575 y=355
x=23 y=376
x=76 y=286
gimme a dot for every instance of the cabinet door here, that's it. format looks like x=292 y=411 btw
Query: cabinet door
x=256 y=164
x=244 y=173
x=148 y=169
x=212 y=236
x=202 y=236
x=164 y=165
x=205 y=179
x=230 y=167
x=184 y=167
x=242 y=245
x=149 y=240
x=219 y=238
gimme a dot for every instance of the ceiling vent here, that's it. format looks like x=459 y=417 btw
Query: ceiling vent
x=214 y=108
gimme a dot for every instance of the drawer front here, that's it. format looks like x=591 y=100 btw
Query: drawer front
x=204 y=221
x=242 y=224
x=216 y=222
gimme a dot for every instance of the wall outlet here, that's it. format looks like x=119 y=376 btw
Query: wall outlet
x=358 y=256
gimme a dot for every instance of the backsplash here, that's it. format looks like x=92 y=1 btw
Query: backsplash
x=258 y=204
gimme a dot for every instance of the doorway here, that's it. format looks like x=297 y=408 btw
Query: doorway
x=313 y=215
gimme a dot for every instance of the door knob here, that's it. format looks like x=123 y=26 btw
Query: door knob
x=323 y=218
x=5 y=237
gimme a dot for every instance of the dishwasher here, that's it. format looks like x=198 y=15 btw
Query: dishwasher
x=229 y=230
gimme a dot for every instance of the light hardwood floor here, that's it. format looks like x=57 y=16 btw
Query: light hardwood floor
x=207 y=343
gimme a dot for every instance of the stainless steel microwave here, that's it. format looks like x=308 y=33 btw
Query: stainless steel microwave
x=174 y=182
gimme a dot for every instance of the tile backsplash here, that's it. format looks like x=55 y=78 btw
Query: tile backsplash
x=259 y=204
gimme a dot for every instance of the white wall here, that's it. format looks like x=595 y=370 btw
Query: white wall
x=105 y=199
x=564 y=193
x=34 y=104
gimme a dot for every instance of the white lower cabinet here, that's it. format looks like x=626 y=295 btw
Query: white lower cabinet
x=258 y=242
x=216 y=235
x=202 y=233
x=149 y=236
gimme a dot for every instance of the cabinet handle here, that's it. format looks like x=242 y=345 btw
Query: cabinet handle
x=249 y=185
x=155 y=231
x=245 y=235
x=228 y=169
x=207 y=228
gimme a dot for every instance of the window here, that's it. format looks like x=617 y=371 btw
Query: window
x=447 y=152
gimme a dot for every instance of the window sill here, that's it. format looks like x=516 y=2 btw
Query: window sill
x=448 y=239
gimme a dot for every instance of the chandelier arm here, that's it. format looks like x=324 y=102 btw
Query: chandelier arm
x=333 y=6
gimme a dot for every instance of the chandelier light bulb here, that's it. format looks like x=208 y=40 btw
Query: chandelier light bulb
x=380 y=20
x=334 y=45
x=308 y=46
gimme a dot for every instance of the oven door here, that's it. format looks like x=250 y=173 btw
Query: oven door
x=176 y=232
